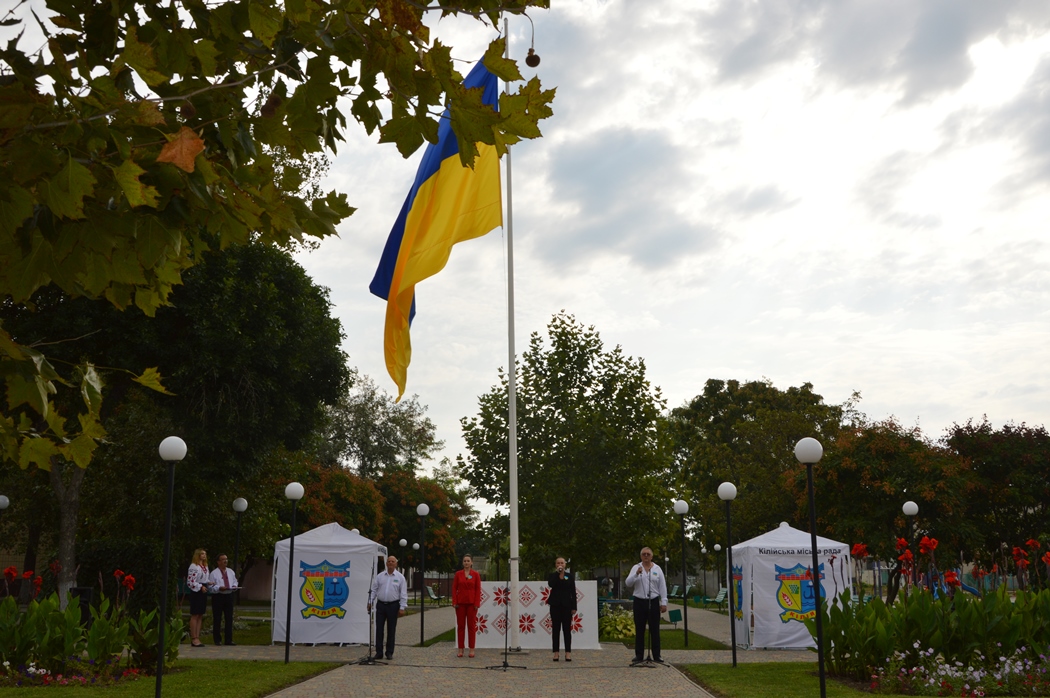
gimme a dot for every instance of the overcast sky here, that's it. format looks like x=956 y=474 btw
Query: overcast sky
x=851 y=193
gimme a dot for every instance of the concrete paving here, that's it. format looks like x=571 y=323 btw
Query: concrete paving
x=436 y=671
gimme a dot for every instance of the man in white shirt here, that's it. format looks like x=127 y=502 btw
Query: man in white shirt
x=390 y=594
x=649 y=586
x=224 y=582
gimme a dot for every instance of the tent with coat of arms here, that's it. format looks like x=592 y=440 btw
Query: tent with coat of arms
x=774 y=590
x=331 y=577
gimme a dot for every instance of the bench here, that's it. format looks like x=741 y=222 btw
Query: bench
x=719 y=600
x=432 y=596
x=674 y=593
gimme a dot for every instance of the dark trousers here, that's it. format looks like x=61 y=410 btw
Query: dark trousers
x=222 y=607
x=646 y=611
x=386 y=615
x=561 y=618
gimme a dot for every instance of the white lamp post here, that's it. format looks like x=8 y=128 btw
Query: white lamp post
x=422 y=511
x=172 y=450
x=808 y=451
x=681 y=507
x=240 y=505
x=727 y=493
x=911 y=510
x=294 y=491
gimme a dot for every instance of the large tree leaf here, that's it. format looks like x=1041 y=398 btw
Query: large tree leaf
x=182 y=149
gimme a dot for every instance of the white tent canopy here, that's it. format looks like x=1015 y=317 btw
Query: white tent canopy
x=774 y=591
x=332 y=574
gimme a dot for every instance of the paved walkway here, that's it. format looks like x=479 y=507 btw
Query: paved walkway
x=436 y=671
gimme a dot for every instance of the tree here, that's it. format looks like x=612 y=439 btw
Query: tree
x=745 y=433
x=1011 y=489
x=868 y=473
x=251 y=352
x=403 y=491
x=135 y=136
x=370 y=432
x=591 y=464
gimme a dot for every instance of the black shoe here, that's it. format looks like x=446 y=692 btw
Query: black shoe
x=638 y=660
x=658 y=660
x=231 y=644
x=390 y=657
x=378 y=657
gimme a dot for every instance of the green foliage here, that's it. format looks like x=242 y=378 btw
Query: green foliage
x=108 y=635
x=139 y=557
x=745 y=433
x=591 y=454
x=144 y=635
x=859 y=638
x=616 y=624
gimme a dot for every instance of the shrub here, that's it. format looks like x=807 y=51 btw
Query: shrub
x=616 y=624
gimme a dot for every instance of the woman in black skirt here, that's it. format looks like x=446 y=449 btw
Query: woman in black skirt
x=562 y=602
x=197 y=581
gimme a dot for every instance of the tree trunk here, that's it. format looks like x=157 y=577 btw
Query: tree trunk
x=66 y=479
x=29 y=561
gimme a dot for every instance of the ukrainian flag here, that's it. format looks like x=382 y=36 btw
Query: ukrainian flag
x=448 y=203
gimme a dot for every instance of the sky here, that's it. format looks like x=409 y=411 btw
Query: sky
x=851 y=193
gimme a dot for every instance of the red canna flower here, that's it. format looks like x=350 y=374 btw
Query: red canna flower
x=118 y=574
x=901 y=544
x=1032 y=543
x=906 y=557
x=952 y=579
x=1019 y=554
x=55 y=568
x=10 y=573
x=927 y=545
x=37 y=582
x=995 y=568
x=129 y=583
x=1022 y=564
x=981 y=574
x=28 y=574
x=1046 y=557
x=859 y=550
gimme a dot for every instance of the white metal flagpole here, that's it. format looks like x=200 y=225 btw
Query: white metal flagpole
x=512 y=412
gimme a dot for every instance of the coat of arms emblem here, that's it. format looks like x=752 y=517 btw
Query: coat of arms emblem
x=324 y=589
x=795 y=593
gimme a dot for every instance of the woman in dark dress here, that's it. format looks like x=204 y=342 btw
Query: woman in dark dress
x=562 y=602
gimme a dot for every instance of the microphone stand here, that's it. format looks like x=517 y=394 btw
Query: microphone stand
x=506 y=637
x=369 y=659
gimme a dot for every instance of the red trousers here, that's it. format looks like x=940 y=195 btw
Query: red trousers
x=466 y=616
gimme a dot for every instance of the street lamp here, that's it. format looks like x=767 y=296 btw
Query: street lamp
x=703 y=551
x=911 y=510
x=404 y=544
x=419 y=592
x=172 y=450
x=808 y=451
x=727 y=493
x=240 y=505
x=294 y=491
x=422 y=510
x=4 y=503
x=681 y=507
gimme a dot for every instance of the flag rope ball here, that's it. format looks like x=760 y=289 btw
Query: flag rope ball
x=448 y=203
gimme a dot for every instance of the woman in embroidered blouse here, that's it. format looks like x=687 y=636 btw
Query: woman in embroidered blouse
x=197 y=581
x=466 y=597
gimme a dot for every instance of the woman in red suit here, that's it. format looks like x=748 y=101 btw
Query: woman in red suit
x=466 y=597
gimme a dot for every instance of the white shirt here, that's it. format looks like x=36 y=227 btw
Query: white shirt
x=216 y=579
x=648 y=585
x=389 y=587
x=196 y=576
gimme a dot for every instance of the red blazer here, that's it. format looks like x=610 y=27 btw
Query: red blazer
x=466 y=591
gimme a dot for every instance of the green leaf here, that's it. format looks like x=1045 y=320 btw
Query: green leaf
x=140 y=57
x=32 y=271
x=265 y=21
x=32 y=391
x=127 y=175
x=36 y=450
x=80 y=450
x=150 y=378
x=64 y=193
x=91 y=388
x=15 y=207
x=206 y=53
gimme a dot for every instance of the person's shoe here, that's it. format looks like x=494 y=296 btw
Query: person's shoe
x=390 y=657
x=638 y=660
x=460 y=653
x=658 y=660
x=567 y=657
x=378 y=657
x=230 y=644
x=471 y=655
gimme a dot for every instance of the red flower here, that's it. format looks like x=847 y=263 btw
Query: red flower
x=981 y=574
x=995 y=568
x=952 y=579
x=927 y=545
x=859 y=550
x=28 y=574
x=38 y=582
x=118 y=574
x=10 y=573
x=1022 y=565
x=1046 y=557
x=1019 y=554
x=129 y=583
x=1032 y=543
x=55 y=568
x=901 y=544
x=906 y=557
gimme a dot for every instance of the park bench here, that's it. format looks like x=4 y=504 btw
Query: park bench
x=719 y=599
x=433 y=596
x=674 y=593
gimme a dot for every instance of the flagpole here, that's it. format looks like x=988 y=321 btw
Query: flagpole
x=512 y=411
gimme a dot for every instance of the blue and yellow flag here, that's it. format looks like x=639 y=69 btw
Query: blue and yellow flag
x=448 y=203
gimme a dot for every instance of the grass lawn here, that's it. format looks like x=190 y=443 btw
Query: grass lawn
x=447 y=636
x=774 y=680
x=214 y=678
